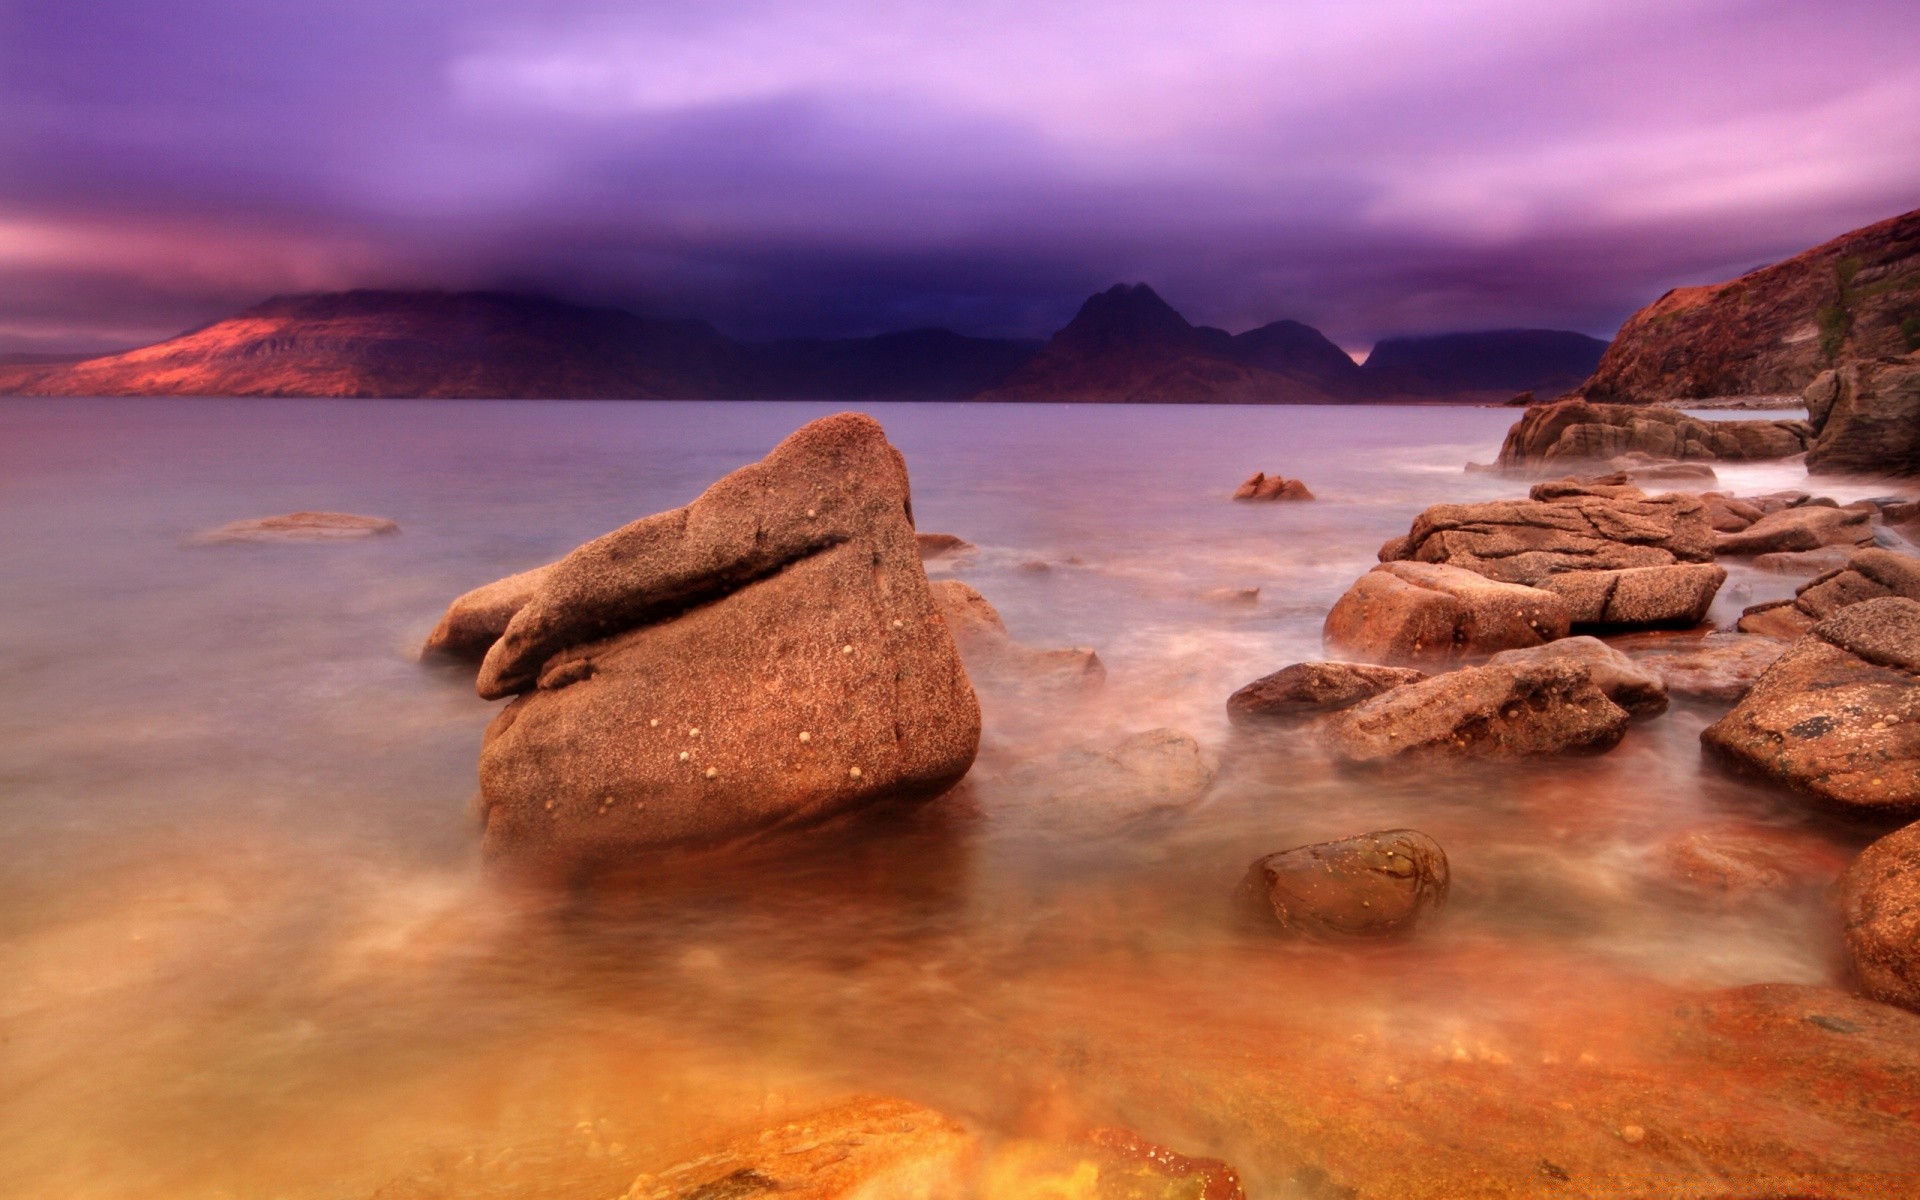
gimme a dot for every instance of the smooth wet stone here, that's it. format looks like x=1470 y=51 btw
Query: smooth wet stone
x=1880 y=904
x=475 y=620
x=670 y=669
x=1305 y=690
x=940 y=545
x=994 y=660
x=1638 y=597
x=1624 y=681
x=1425 y=612
x=1838 y=715
x=866 y=1148
x=1261 y=486
x=302 y=527
x=1492 y=712
x=1377 y=885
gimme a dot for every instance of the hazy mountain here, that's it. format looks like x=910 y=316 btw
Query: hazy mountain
x=1545 y=361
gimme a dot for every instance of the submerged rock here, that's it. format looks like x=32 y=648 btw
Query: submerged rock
x=1407 y=611
x=866 y=1148
x=769 y=656
x=1719 y=667
x=475 y=621
x=1509 y=711
x=1638 y=597
x=1158 y=770
x=1377 y=885
x=1261 y=486
x=994 y=659
x=302 y=527
x=1624 y=681
x=1309 y=689
x=1880 y=904
x=1525 y=541
x=1838 y=715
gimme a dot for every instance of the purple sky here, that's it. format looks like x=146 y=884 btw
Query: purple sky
x=850 y=166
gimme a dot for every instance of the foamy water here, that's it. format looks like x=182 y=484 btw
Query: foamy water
x=246 y=948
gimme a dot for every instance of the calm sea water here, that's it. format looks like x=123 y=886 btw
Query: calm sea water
x=246 y=948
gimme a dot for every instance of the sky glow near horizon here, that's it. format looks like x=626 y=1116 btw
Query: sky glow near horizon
x=843 y=167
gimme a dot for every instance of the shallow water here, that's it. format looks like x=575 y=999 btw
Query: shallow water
x=246 y=948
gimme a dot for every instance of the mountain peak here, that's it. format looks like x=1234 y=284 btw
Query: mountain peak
x=1126 y=312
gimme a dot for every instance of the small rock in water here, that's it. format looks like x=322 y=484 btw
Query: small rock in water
x=1377 y=885
x=1107 y=1164
x=994 y=660
x=1236 y=597
x=302 y=527
x=940 y=545
x=1262 y=486
x=1160 y=770
x=1309 y=689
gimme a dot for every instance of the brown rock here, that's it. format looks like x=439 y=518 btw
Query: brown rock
x=939 y=545
x=1638 y=597
x=302 y=527
x=1738 y=863
x=1720 y=667
x=1404 y=611
x=866 y=1148
x=994 y=659
x=1838 y=716
x=1803 y=562
x=1261 y=486
x=767 y=657
x=1866 y=418
x=1377 y=885
x=1553 y=436
x=1777 y=619
x=1308 y=689
x=1808 y=527
x=474 y=621
x=1159 y=770
x=1624 y=681
x=1524 y=541
x=1880 y=904
x=1513 y=711
x=1867 y=574
x=1728 y=514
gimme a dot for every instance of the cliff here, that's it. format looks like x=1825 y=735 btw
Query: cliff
x=1772 y=330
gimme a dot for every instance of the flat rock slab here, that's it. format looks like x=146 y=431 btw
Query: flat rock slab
x=1638 y=597
x=1426 y=612
x=1866 y=574
x=302 y=527
x=1305 y=690
x=1579 y=431
x=1490 y=712
x=1525 y=541
x=1377 y=885
x=1838 y=715
x=1625 y=682
x=1809 y=527
x=1880 y=904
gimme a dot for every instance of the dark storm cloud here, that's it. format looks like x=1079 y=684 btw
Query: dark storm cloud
x=845 y=166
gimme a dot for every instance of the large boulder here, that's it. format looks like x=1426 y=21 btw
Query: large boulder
x=1624 y=681
x=1405 y=611
x=1880 y=904
x=1867 y=575
x=1525 y=541
x=475 y=620
x=1555 y=436
x=1838 y=715
x=768 y=656
x=1310 y=689
x=1808 y=527
x=1638 y=597
x=1377 y=885
x=1866 y=418
x=1517 y=710
x=994 y=659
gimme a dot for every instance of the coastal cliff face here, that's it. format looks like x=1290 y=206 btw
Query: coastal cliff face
x=1771 y=331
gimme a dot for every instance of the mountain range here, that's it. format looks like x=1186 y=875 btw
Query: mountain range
x=1125 y=345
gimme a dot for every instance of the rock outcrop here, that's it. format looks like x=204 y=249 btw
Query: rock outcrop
x=1638 y=597
x=1377 y=885
x=1772 y=330
x=1525 y=541
x=1866 y=417
x=1261 y=486
x=1880 y=905
x=1427 y=612
x=1624 y=681
x=769 y=656
x=1838 y=715
x=1552 y=437
x=1310 y=689
x=302 y=527
x=1808 y=527
x=994 y=659
x=1496 y=712
x=1867 y=575
x=475 y=621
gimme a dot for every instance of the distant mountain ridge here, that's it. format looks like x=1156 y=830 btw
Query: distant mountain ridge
x=1125 y=345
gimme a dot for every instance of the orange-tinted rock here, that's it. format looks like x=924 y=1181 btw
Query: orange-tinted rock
x=475 y=620
x=1261 y=486
x=1719 y=667
x=1866 y=417
x=1737 y=863
x=1624 y=681
x=1867 y=574
x=1728 y=514
x=1575 y=431
x=302 y=527
x=1638 y=597
x=1407 y=611
x=1776 y=619
x=868 y=1148
x=1808 y=527
x=1497 y=712
x=940 y=545
x=1803 y=562
x=1525 y=541
x=1155 y=771
x=1838 y=715
x=1880 y=903
x=1377 y=885
x=1309 y=689
x=1107 y=1164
